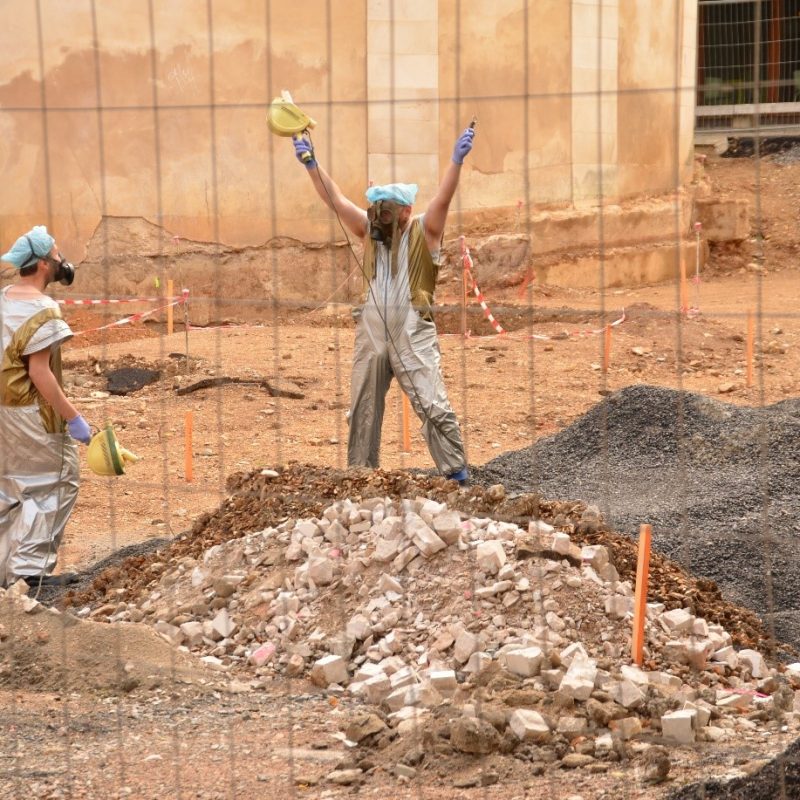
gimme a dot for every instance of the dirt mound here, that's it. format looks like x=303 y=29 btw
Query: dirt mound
x=718 y=482
x=443 y=635
x=45 y=650
x=258 y=501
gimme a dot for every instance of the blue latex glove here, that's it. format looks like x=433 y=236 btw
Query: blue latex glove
x=79 y=429
x=463 y=146
x=304 y=152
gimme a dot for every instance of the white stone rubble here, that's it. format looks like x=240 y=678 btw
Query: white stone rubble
x=406 y=605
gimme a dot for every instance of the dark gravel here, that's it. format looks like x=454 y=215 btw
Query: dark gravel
x=777 y=780
x=52 y=595
x=719 y=483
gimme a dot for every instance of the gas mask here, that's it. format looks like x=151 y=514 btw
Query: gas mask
x=384 y=225
x=65 y=272
x=382 y=218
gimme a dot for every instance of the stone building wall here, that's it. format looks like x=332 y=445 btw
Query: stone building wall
x=107 y=111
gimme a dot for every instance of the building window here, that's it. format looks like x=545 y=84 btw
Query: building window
x=726 y=52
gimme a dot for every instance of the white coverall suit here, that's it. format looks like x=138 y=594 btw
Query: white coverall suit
x=38 y=468
x=393 y=340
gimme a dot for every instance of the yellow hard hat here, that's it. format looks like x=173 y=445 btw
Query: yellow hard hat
x=105 y=456
x=284 y=118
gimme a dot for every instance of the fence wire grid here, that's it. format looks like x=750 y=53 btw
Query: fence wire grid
x=250 y=617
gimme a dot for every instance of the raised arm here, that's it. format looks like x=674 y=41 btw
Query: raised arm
x=351 y=215
x=436 y=213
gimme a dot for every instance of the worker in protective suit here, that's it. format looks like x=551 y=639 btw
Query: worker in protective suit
x=38 y=457
x=395 y=332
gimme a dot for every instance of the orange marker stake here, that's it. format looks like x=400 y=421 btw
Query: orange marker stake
x=749 y=348
x=170 y=294
x=187 y=450
x=406 y=425
x=463 y=287
x=640 y=596
x=684 y=288
x=606 y=348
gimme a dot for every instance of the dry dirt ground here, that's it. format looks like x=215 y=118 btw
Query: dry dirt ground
x=170 y=738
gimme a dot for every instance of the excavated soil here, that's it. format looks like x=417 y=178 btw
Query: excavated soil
x=256 y=502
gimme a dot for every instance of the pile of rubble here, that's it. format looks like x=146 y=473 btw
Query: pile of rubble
x=497 y=637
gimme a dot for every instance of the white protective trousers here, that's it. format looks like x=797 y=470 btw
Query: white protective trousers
x=39 y=477
x=393 y=341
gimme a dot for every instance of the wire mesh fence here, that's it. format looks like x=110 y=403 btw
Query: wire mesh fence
x=255 y=607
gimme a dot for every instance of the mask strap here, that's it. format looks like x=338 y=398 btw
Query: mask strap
x=34 y=257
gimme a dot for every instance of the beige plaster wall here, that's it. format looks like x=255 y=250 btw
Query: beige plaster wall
x=209 y=174
x=490 y=56
x=656 y=101
x=390 y=82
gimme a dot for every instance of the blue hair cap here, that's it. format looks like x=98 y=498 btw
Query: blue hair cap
x=29 y=248
x=403 y=194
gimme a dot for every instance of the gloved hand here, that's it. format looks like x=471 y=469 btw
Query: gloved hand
x=302 y=147
x=79 y=429
x=463 y=145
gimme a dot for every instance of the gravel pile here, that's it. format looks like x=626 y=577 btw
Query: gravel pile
x=720 y=485
x=787 y=157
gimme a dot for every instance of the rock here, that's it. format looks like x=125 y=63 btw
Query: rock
x=491 y=556
x=329 y=669
x=295 y=666
x=363 y=726
x=358 y=627
x=466 y=644
x=386 y=583
x=423 y=537
x=537 y=527
x=627 y=694
x=192 y=633
x=679 y=620
x=262 y=654
x=478 y=662
x=733 y=700
x=529 y=726
x=496 y=493
x=422 y=694
x=578 y=682
x=754 y=661
x=572 y=726
x=19 y=588
x=596 y=556
x=656 y=764
x=378 y=688
x=404 y=771
x=618 y=606
x=702 y=713
x=447 y=526
x=226 y=585
x=472 y=735
x=679 y=726
x=726 y=655
x=444 y=681
x=526 y=662
x=320 y=570
x=627 y=727
x=576 y=760
x=345 y=777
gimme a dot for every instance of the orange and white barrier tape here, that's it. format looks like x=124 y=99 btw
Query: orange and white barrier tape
x=468 y=265
x=499 y=329
x=176 y=301
x=111 y=301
